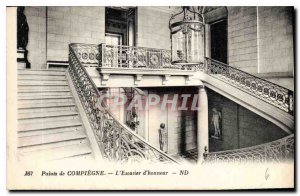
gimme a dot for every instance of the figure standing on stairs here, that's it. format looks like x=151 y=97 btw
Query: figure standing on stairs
x=216 y=119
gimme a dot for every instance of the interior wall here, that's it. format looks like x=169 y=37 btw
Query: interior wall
x=153 y=27
x=36 y=18
x=275 y=39
x=240 y=127
x=73 y=25
x=242 y=38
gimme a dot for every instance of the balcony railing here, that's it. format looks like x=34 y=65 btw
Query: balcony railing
x=107 y=56
x=276 y=151
x=274 y=94
x=116 y=141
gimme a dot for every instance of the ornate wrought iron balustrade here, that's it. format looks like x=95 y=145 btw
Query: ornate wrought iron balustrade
x=148 y=58
x=135 y=57
x=139 y=57
x=274 y=94
x=116 y=141
x=87 y=54
x=276 y=151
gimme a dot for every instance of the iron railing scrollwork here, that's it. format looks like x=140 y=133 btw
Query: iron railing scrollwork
x=269 y=92
x=276 y=151
x=139 y=57
x=116 y=141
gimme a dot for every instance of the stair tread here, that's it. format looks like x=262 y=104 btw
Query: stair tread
x=59 y=153
x=40 y=101
x=46 y=114
x=42 y=78
x=51 y=145
x=42 y=83
x=45 y=97
x=45 y=105
x=41 y=72
x=49 y=109
x=48 y=125
x=50 y=138
x=50 y=131
x=43 y=90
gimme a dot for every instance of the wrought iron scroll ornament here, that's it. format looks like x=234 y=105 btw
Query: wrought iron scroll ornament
x=116 y=141
x=276 y=151
x=148 y=58
x=269 y=92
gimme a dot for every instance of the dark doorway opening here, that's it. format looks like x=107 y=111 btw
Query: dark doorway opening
x=120 y=25
x=218 y=32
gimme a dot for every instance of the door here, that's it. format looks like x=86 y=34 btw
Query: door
x=218 y=33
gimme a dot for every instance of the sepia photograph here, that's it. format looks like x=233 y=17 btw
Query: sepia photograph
x=150 y=97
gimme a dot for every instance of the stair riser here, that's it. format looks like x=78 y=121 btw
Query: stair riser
x=47 y=139
x=27 y=149
x=58 y=153
x=68 y=108
x=39 y=101
x=41 y=78
x=42 y=72
x=41 y=94
x=42 y=82
x=22 y=98
x=48 y=119
x=45 y=105
x=50 y=131
x=41 y=88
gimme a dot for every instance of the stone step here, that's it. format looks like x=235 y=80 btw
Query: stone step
x=26 y=149
x=46 y=72
x=48 y=125
x=57 y=153
x=42 y=94
x=41 y=83
x=50 y=131
x=78 y=159
x=50 y=138
x=44 y=105
x=34 y=115
x=42 y=77
x=43 y=87
x=40 y=101
x=42 y=91
x=53 y=119
x=45 y=110
x=44 y=97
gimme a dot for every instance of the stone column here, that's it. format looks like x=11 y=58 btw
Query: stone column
x=202 y=126
x=207 y=41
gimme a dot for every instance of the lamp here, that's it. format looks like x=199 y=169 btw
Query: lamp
x=187 y=35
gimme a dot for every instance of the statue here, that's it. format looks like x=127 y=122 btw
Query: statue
x=162 y=132
x=216 y=119
x=22 y=29
x=22 y=38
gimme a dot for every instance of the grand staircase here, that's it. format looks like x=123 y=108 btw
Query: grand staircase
x=49 y=124
x=61 y=114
